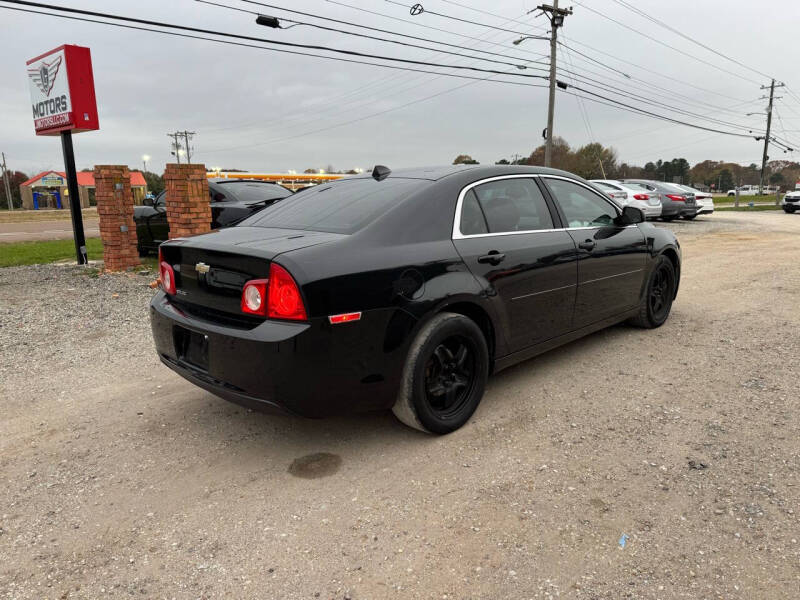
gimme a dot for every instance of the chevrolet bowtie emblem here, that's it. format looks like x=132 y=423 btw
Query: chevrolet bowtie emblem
x=202 y=267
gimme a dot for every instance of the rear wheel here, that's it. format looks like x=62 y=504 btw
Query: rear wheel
x=444 y=376
x=689 y=217
x=668 y=219
x=788 y=209
x=660 y=293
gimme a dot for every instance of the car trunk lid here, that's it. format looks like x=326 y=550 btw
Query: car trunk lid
x=211 y=270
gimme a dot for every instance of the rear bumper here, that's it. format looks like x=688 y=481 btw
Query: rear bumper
x=672 y=209
x=311 y=369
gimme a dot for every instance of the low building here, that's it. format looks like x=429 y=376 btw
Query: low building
x=49 y=190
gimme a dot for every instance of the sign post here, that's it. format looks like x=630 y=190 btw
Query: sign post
x=63 y=100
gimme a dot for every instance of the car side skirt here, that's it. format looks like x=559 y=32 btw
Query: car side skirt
x=522 y=355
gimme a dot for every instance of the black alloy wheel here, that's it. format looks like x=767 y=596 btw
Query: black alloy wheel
x=661 y=291
x=444 y=376
x=657 y=303
x=450 y=375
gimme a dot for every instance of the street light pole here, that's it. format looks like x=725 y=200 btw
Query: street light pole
x=145 y=158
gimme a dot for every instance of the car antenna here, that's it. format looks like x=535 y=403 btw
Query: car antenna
x=380 y=172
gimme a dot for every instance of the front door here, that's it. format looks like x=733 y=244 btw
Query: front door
x=611 y=258
x=507 y=238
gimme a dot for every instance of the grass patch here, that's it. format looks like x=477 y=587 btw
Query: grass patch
x=33 y=253
x=758 y=207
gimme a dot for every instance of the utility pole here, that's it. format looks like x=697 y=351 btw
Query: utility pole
x=556 y=16
x=187 y=135
x=765 y=157
x=176 y=146
x=7 y=183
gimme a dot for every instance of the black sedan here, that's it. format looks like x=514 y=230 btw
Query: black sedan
x=231 y=201
x=406 y=290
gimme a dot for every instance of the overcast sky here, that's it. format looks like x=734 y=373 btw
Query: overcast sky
x=265 y=111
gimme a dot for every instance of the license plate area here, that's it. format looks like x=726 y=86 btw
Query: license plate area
x=191 y=347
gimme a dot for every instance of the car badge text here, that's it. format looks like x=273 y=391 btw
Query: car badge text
x=202 y=267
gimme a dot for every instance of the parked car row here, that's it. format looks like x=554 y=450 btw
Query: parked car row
x=658 y=199
x=231 y=201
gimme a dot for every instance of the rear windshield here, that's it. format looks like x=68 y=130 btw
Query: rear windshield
x=604 y=185
x=341 y=207
x=250 y=191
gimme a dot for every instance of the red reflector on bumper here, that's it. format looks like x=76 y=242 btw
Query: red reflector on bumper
x=345 y=318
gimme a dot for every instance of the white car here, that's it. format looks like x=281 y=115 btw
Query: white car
x=626 y=194
x=791 y=201
x=704 y=200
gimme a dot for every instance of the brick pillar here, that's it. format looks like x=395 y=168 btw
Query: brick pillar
x=188 y=207
x=115 y=209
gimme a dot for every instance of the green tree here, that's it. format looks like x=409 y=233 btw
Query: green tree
x=562 y=157
x=15 y=178
x=465 y=159
x=502 y=161
x=726 y=181
x=587 y=161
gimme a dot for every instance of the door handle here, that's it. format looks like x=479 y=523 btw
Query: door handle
x=587 y=245
x=493 y=258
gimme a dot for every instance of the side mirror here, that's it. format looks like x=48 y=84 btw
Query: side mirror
x=630 y=216
x=147 y=201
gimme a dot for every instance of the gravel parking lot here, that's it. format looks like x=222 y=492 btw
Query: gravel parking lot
x=630 y=464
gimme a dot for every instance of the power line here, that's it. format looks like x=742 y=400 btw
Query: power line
x=245 y=45
x=371 y=37
x=650 y=70
x=395 y=18
x=452 y=18
x=267 y=40
x=651 y=18
x=657 y=41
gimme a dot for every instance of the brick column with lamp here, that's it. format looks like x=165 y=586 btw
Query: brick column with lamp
x=115 y=210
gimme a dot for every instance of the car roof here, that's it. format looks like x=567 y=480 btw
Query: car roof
x=435 y=173
x=238 y=180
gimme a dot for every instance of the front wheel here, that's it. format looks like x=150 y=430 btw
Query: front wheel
x=788 y=209
x=444 y=376
x=660 y=293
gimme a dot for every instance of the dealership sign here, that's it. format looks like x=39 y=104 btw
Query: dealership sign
x=62 y=91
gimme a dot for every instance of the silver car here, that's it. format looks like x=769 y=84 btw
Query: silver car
x=624 y=194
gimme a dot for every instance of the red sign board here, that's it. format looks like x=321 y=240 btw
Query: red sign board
x=62 y=91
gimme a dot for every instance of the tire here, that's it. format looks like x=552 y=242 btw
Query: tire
x=788 y=210
x=436 y=374
x=668 y=219
x=689 y=217
x=660 y=293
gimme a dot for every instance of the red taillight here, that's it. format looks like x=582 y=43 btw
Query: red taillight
x=641 y=197
x=277 y=297
x=254 y=297
x=166 y=275
x=676 y=198
x=283 y=296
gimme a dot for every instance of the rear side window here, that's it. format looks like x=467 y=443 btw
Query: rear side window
x=472 y=219
x=344 y=206
x=514 y=204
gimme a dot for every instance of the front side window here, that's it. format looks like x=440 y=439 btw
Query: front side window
x=514 y=204
x=581 y=206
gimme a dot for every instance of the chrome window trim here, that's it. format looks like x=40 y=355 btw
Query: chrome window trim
x=457 y=235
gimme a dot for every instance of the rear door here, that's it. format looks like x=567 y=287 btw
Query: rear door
x=611 y=258
x=510 y=237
